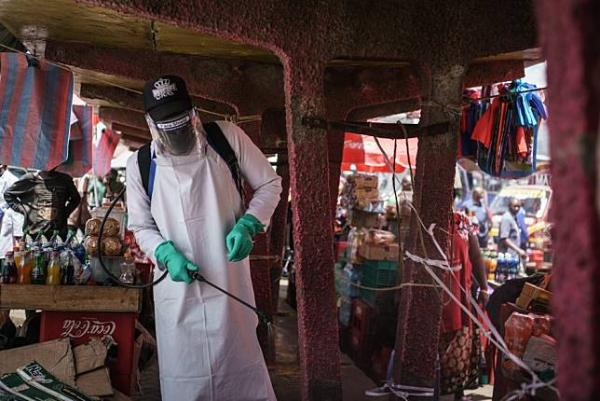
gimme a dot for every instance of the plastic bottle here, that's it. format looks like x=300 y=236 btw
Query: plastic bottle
x=127 y=269
x=11 y=268
x=54 y=273
x=23 y=261
x=4 y=273
x=38 y=274
x=67 y=269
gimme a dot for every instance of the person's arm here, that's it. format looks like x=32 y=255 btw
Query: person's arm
x=73 y=197
x=257 y=172
x=478 y=268
x=19 y=193
x=140 y=219
x=505 y=228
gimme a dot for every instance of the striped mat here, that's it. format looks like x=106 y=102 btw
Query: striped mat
x=35 y=110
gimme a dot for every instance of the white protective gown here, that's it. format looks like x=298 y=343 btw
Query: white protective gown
x=207 y=344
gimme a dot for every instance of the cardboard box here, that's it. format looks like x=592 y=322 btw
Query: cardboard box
x=96 y=383
x=92 y=355
x=366 y=194
x=389 y=252
x=532 y=293
x=365 y=181
x=55 y=355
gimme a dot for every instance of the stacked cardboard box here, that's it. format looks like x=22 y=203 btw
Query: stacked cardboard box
x=379 y=245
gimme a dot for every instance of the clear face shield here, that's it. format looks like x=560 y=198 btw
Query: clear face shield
x=178 y=135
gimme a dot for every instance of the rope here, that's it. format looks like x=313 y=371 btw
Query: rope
x=492 y=334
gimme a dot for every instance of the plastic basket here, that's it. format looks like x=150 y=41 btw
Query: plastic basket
x=379 y=273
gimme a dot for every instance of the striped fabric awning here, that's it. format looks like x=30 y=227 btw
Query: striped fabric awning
x=104 y=151
x=79 y=161
x=35 y=109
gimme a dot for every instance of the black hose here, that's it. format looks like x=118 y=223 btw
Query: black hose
x=263 y=316
x=106 y=269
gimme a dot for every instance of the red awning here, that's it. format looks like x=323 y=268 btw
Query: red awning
x=363 y=152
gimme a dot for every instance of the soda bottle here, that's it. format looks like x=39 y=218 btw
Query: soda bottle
x=4 y=273
x=127 y=269
x=54 y=273
x=23 y=262
x=38 y=274
x=9 y=265
x=68 y=270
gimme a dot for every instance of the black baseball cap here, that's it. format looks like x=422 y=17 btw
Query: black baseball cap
x=166 y=97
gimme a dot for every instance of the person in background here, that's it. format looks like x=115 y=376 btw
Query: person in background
x=477 y=207
x=11 y=224
x=510 y=233
x=112 y=184
x=405 y=198
x=46 y=198
x=459 y=346
x=523 y=231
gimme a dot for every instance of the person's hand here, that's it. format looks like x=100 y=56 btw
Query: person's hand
x=523 y=255
x=483 y=297
x=239 y=240
x=178 y=266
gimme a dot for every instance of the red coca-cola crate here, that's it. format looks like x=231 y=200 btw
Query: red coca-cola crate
x=80 y=326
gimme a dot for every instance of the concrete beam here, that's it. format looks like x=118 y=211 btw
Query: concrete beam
x=141 y=134
x=250 y=86
x=129 y=118
x=386 y=109
x=490 y=72
x=134 y=101
x=414 y=29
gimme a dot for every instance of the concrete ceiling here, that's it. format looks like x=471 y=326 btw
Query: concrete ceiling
x=68 y=21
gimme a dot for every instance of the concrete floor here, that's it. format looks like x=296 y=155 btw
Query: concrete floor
x=285 y=372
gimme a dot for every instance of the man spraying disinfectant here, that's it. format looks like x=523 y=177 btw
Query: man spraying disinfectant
x=185 y=208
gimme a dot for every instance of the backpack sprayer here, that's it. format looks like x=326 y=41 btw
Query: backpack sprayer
x=262 y=316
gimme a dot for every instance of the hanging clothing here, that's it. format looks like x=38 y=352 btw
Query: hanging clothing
x=507 y=131
x=459 y=346
x=207 y=344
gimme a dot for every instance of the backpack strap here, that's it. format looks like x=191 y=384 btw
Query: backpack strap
x=217 y=140
x=144 y=160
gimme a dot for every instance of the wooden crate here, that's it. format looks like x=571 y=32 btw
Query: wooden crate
x=70 y=298
x=531 y=293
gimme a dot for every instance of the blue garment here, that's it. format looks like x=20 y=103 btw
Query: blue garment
x=523 y=233
x=483 y=219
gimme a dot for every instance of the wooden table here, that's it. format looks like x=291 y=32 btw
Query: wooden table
x=70 y=298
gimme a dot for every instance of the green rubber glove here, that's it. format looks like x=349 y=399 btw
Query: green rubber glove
x=239 y=240
x=177 y=265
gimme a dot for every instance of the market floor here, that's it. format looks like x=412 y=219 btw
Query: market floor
x=285 y=372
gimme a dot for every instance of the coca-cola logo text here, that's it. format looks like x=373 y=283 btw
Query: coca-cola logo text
x=77 y=328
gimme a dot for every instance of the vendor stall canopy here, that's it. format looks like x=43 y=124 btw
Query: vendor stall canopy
x=112 y=54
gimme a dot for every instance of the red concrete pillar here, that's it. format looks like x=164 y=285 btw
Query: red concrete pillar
x=313 y=233
x=569 y=32
x=420 y=307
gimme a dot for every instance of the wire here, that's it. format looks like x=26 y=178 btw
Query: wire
x=506 y=94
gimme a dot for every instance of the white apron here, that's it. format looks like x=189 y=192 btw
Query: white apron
x=207 y=344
